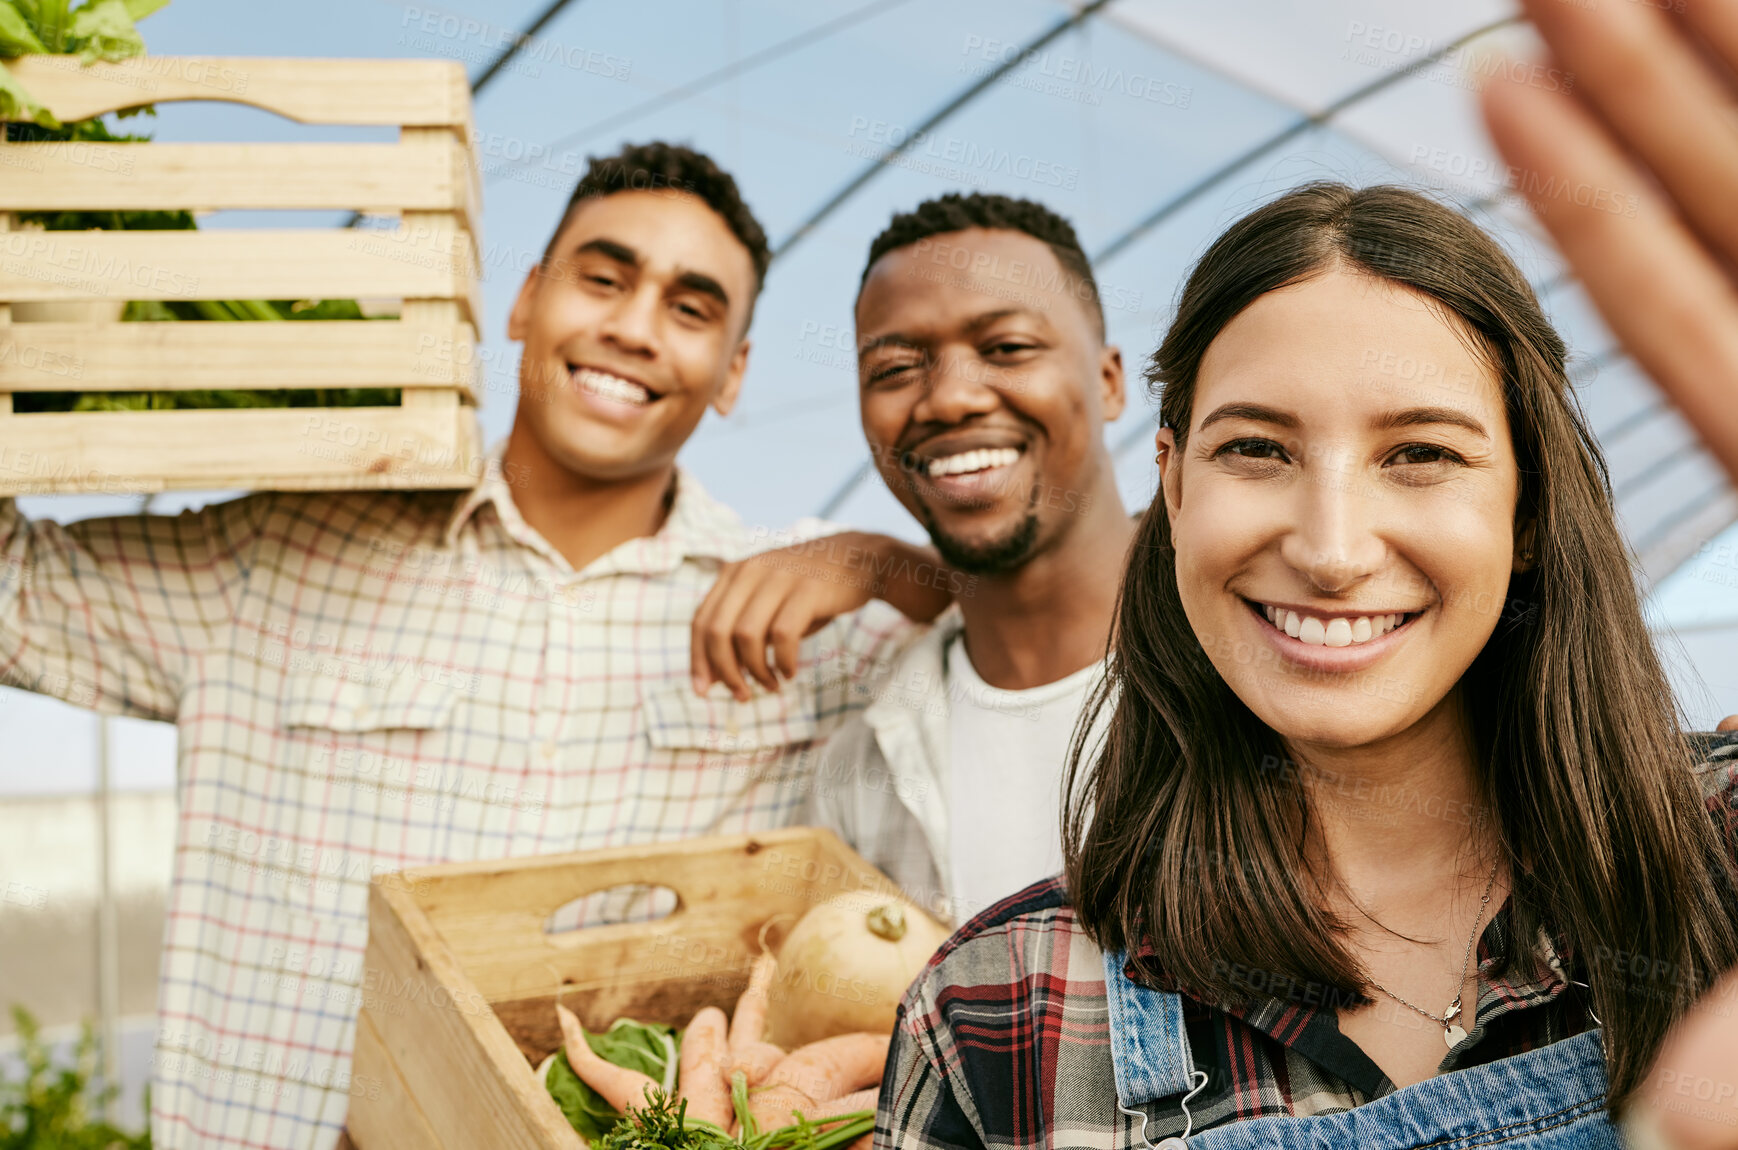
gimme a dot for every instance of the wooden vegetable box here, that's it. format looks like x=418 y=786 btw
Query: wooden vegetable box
x=461 y=977
x=428 y=178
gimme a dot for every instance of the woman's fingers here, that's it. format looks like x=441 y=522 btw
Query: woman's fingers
x=1716 y=22
x=1663 y=294
x=1654 y=89
x=1699 y=1062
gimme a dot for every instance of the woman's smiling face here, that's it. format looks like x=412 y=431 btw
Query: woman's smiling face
x=1344 y=508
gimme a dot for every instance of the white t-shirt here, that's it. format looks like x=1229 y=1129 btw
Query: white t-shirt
x=1009 y=752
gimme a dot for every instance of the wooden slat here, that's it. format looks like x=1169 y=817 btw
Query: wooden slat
x=383 y=1115
x=429 y=175
x=5 y=307
x=192 y=356
x=465 y=1072
x=427 y=93
x=419 y=262
x=259 y=449
x=493 y=918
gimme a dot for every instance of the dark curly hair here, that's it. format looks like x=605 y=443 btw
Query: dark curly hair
x=649 y=166
x=955 y=213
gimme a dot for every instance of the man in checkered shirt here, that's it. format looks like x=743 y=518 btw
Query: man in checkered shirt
x=370 y=681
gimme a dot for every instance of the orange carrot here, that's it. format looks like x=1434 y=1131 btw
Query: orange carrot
x=772 y=1107
x=755 y=1060
x=867 y=1142
x=749 y=1052
x=833 y=1067
x=748 y=1024
x=850 y=1103
x=701 y=1080
x=618 y=1085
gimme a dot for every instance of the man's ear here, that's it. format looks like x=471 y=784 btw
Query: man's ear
x=520 y=317
x=1113 y=386
x=726 y=398
x=1170 y=470
x=1526 y=553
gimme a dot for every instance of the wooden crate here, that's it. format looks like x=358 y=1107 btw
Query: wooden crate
x=428 y=178
x=461 y=979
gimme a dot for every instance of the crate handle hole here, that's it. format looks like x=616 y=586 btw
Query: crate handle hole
x=628 y=903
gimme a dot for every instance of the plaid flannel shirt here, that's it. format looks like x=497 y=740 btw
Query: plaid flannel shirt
x=364 y=682
x=1004 y=1041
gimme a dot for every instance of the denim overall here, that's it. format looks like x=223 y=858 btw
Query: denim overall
x=1552 y=1098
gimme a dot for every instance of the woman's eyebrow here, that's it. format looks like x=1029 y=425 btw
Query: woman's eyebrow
x=1251 y=411
x=1425 y=416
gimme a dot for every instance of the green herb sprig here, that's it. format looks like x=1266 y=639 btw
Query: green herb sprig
x=663 y=1124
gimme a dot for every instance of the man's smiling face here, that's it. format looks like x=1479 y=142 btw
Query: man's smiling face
x=984 y=392
x=634 y=327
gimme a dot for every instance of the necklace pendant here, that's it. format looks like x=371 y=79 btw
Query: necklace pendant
x=1453 y=1035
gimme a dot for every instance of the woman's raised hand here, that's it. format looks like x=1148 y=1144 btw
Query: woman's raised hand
x=1634 y=172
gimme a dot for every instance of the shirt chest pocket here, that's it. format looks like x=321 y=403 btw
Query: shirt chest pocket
x=766 y=727
x=349 y=706
x=364 y=764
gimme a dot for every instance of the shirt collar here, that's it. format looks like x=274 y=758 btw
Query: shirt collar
x=697 y=527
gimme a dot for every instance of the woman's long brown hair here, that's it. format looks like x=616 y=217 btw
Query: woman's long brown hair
x=1180 y=835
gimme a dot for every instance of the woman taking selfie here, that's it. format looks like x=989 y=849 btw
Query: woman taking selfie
x=1393 y=839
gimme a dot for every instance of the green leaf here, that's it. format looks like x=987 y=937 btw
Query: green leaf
x=16 y=36
x=16 y=104
x=103 y=30
x=27 y=9
x=584 y=1109
x=139 y=9
x=650 y=1049
x=50 y=22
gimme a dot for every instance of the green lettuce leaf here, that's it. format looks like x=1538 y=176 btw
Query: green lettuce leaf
x=650 y=1049
x=17 y=38
x=49 y=18
x=103 y=30
x=585 y=1111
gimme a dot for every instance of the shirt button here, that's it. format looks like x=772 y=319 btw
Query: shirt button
x=548 y=750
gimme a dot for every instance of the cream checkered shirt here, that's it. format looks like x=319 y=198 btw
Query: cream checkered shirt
x=364 y=682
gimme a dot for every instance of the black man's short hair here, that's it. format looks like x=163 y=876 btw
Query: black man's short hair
x=953 y=212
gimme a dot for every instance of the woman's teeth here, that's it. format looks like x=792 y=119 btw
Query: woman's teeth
x=608 y=386
x=983 y=459
x=1332 y=632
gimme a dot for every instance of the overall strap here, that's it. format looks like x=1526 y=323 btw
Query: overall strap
x=1149 y=1049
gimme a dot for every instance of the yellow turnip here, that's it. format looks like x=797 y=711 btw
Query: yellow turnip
x=845 y=966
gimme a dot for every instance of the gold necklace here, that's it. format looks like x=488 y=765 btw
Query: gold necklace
x=1452 y=1032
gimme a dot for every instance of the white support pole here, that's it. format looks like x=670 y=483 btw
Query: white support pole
x=108 y=932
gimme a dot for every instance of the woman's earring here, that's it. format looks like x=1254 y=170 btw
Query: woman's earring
x=1527 y=556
